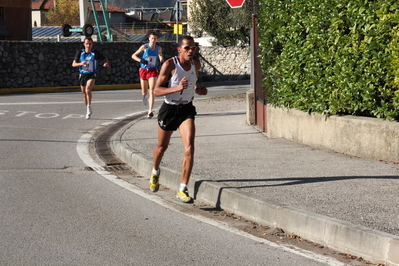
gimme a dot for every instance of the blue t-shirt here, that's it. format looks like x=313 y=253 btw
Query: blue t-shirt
x=151 y=56
x=91 y=60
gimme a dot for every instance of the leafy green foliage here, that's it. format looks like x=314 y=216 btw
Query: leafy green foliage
x=331 y=57
x=229 y=26
x=65 y=12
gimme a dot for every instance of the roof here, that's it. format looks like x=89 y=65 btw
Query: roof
x=50 y=34
x=112 y=9
x=43 y=4
x=165 y=16
x=49 y=4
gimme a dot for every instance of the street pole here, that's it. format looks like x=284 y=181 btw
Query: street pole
x=83 y=12
x=256 y=76
x=177 y=24
x=177 y=12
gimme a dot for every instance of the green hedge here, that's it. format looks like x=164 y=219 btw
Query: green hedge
x=331 y=57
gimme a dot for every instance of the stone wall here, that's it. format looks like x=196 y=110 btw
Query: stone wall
x=224 y=63
x=45 y=64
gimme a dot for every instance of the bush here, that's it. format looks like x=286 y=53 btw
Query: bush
x=331 y=57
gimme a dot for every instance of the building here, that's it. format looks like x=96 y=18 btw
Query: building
x=40 y=7
x=15 y=20
x=140 y=20
x=124 y=25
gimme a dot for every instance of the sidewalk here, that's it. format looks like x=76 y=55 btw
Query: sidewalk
x=346 y=203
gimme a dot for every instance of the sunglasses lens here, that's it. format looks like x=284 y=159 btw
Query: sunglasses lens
x=190 y=48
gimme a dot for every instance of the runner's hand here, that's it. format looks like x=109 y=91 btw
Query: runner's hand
x=201 y=90
x=183 y=84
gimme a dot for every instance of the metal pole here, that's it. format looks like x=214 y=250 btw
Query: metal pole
x=105 y=15
x=252 y=36
x=93 y=6
x=177 y=21
x=83 y=12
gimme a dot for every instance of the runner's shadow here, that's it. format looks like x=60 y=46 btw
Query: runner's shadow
x=299 y=180
x=284 y=182
x=221 y=114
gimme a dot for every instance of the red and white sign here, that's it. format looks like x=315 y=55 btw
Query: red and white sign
x=235 y=3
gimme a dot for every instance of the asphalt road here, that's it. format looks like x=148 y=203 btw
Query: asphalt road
x=56 y=212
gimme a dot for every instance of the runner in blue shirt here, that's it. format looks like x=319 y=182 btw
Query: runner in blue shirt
x=86 y=60
x=150 y=56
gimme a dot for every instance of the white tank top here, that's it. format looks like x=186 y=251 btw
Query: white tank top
x=184 y=96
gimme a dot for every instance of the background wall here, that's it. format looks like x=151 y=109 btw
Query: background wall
x=44 y=64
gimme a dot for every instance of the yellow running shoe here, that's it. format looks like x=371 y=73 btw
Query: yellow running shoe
x=183 y=196
x=154 y=182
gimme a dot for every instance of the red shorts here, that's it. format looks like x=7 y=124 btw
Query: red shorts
x=147 y=73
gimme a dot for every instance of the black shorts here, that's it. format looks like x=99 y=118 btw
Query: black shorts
x=170 y=116
x=83 y=78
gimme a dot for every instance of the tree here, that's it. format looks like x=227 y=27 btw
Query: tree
x=229 y=26
x=65 y=12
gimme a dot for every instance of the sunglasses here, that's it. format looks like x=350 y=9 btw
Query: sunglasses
x=189 y=48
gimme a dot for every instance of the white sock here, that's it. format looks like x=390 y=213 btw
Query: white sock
x=182 y=187
x=155 y=172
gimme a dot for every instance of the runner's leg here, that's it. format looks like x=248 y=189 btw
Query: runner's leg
x=151 y=82
x=83 y=89
x=144 y=87
x=187 y=132
x=89 y=86
x=162 y=145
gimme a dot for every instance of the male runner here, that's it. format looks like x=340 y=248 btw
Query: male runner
x=86 y=60
x=177 y=112
x=150 y=56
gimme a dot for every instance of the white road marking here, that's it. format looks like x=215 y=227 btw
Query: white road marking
x=80 y=102
x=75 y=102
x=83 y=151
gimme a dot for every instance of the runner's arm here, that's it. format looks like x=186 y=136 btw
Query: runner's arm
x=136 y=56
x=160 y=55
x=76 y=60
x=200 y=89
x=100 y=56
x=161 y=87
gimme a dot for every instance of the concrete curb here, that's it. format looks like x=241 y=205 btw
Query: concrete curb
x=67 y=89
x=345 y=237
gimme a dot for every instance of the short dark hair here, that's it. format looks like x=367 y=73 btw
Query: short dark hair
x=89 y=39
x=153 y=33
x=186 y=37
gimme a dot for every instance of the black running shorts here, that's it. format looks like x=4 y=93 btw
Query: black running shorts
x=170 y=116
x=83 y=78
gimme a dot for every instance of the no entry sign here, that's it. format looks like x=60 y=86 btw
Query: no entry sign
x=235 y=3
